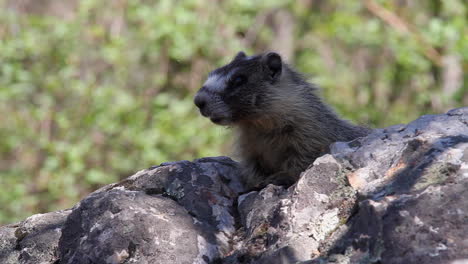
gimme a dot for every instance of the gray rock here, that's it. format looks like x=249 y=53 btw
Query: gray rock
x=395 y=196
x=121 y=226
x=179 y=212
x=412 y=181
x=398 y=195
x=286 y=226
x=9 y=253
x=33 y=240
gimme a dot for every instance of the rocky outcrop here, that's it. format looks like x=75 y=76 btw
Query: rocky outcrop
x=398 y=195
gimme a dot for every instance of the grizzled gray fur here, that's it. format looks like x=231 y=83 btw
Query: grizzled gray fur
x=282 y=125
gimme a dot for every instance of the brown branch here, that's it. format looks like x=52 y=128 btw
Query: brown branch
x=252 y=32
x=402 y=26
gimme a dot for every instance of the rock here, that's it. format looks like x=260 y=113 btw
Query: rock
x=179 y=212
x=370 y=200
x=34 y=240
x=120 y=226
x=286 y=226
x=395 y=196
x=412 y=181
x=9 y=253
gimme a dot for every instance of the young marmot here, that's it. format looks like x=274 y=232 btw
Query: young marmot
x=283 y=126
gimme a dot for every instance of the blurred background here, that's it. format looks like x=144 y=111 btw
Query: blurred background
x=93 y=91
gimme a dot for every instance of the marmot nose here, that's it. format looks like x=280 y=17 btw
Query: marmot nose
x=200 y=101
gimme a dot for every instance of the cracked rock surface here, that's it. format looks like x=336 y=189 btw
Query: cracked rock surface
x=399 y=195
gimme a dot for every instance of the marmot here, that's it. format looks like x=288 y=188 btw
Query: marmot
x=282 y=125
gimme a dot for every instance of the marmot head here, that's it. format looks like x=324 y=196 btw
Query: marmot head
x=240 y=90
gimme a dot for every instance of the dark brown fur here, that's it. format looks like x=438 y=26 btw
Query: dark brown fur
x=282 y=125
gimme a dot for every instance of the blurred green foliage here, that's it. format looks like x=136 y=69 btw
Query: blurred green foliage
x=91 y=91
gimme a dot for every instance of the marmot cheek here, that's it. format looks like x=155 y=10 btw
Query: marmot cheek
x=256 y=100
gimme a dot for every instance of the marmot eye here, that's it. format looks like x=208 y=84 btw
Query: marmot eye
x=238 y=80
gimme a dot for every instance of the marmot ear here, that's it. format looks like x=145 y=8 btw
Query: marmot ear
x=273 y=63
x=240 y=55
